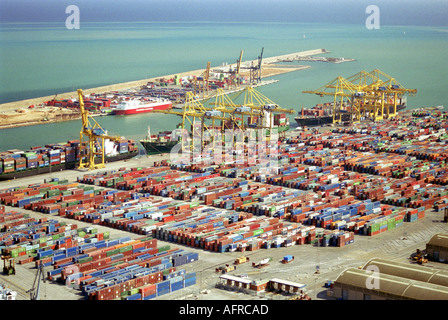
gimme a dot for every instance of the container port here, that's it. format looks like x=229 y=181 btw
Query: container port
x=150 y=229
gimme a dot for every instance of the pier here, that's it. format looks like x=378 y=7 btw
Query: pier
x=267 y=72
x=31 y=111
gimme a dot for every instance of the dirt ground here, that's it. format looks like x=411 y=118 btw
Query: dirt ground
x=36 y=115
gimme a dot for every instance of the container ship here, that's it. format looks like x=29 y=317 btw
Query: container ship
x=322 y=114
x=136 y=106
x=166 y=140
x=162 y=142
x=55 y=157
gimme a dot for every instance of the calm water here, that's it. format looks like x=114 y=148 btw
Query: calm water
x=45 y=59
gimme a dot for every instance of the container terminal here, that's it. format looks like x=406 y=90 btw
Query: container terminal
x=297 y=218
x=337 y=198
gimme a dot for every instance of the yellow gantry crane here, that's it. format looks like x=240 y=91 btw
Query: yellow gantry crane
x=391 y=91
x=256 y=107
x=373 y=95
x=256 y=102
x=195 y=114
x=201 y=84
x=93 y=134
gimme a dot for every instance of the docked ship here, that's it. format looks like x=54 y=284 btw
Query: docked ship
x=136 y=106
x=162 y=142
x=16 y=163
x=322 y=114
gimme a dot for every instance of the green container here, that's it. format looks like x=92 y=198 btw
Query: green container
x=86 y=259
x=146 y=239
x=194 y=204
x=93 y=231
x=112 y=252
x=375 y=227
x=125 y=249
x=164 y=248
x=14 y=253
x=166 y=272
x=133 y=291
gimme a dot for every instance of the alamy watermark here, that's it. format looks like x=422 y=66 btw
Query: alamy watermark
x=73 y=20
x=373 y=281
x=373 y=20
x=248 y=147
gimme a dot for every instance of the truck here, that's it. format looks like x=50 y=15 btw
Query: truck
x=262 y=263
x=241 y=260
x=225 y=269
x=419 y=256
x=287 y=259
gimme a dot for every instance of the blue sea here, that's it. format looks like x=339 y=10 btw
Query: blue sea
x=42 y=59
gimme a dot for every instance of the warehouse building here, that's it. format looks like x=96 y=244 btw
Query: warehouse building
x=243 y=284
x=256 y=286
x=409 y=271
x=391 y=281
x=437 y=248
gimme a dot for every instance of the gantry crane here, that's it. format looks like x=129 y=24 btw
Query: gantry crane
x=373 y=95
x=235 y=73
x=201 y=84
x=391 y=91
x=257 y=102
x=9 y=265
x=195 y=114
x=255 y=70
x=343 y=93
x=92 y=133
x=256 y=106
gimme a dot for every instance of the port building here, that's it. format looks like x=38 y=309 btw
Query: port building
x=396 y=281
x=437 y=248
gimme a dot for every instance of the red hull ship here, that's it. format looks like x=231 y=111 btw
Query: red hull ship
x=136 y=106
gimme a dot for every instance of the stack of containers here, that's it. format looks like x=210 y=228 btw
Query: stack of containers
x=123 y=146
x=413 y=215
x=70 y=154
x=19 y=163
x=31 y=160
x=55 y=157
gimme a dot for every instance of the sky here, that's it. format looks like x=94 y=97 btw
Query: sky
x=392 y=12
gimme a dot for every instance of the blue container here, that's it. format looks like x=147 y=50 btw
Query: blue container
x=189 y=282
x=177 y=285
x=163 y=291
x=137 y=296
x=152 y=296
x=163 y=285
